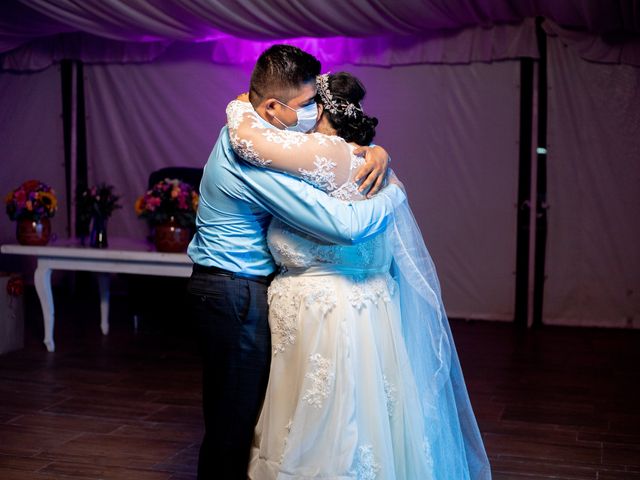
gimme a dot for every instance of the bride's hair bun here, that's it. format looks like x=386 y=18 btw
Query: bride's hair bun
x=359 y=127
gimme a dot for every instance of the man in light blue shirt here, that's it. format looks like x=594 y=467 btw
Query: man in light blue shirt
x=233 y=266
x=237 y=201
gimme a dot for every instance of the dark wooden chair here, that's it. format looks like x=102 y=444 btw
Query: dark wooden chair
x=146 y=290
x=189 y=175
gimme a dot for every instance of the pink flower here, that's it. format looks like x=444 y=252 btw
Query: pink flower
x=153 y=203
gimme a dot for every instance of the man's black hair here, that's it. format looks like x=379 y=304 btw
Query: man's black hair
x=279 y=71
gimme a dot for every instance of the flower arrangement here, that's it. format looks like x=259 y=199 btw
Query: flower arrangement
x=169 y=198
x=98 y=200
x=33 y=200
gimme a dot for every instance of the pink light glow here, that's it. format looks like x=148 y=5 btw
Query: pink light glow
x=330 y=51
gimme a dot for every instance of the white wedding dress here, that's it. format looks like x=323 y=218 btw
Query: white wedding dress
x=341 y=395
x=342 y=401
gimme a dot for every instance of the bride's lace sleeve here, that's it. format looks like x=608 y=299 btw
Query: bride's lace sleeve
x=322 y=160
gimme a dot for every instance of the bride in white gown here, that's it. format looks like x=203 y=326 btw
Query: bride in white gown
x=364 y=382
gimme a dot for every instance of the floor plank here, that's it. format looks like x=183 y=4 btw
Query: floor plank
x=555 y=403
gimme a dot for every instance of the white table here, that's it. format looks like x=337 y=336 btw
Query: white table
x=122 y=256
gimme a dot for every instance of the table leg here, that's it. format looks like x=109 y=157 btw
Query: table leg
x=103 y=284
x=42 y=279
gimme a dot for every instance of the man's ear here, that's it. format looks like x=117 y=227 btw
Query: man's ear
x=269 y=106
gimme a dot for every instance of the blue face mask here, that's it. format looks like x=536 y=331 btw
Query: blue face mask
x=307 y=117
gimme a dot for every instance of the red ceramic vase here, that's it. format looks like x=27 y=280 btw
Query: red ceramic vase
x=33 y=232
x=171 y=237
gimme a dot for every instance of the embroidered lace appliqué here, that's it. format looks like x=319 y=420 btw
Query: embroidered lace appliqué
x=366 y=467
x=365 y=252
x=323 y=176
x=286 y=250
x=356 y=161
x=286 y=296
x=235 y=110
x=346 y=192
x=323 y=139
x=245 y=149
x=390 y=393
x=321 y=380
x=281 y=138
x=283 y=315
x=325 y=253
x=321 y=294
x=369 y=290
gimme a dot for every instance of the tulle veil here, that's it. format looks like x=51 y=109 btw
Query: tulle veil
x=453 y=437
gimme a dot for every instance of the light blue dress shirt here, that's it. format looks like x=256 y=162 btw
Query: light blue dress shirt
x=238 y=200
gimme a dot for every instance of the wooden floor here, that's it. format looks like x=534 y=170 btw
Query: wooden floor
x=556 y=403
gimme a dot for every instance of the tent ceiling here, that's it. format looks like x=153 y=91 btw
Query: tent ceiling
x=202 y=20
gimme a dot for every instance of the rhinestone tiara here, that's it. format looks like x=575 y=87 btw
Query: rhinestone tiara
x=334 y=105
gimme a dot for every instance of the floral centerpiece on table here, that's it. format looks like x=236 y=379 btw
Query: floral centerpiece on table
x=169 y=198
x=170 y=208
x=97 y=200
x=33 y=200
x=95 y=206
x=32 y=204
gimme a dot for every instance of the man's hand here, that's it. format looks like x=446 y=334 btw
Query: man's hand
x=243 y=97
x=374 y=171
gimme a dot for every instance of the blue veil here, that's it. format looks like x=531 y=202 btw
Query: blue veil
x=453 y=437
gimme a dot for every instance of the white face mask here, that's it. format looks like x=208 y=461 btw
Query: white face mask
x=307 y=117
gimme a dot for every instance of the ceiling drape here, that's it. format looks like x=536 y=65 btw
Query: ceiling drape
x=200 y=20
x=36 y=33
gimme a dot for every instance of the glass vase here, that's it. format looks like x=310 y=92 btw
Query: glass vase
x=98 y=232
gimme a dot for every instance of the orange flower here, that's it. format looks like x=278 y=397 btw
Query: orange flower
x=139 y=205
x=194 y=200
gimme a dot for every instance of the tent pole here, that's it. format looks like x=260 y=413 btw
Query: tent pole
x=532 y=200
x=541 y=206
x=521 y=309
x=73 y=150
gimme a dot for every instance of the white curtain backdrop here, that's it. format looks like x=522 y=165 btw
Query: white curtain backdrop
x=593 y=259
x=31 y=142
x=440 y=80
x=141 y=118
x=451 y=130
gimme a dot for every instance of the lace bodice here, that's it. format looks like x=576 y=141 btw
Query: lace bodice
x=325 y=161
x=294 y=250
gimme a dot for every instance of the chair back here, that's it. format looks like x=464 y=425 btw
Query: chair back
x=190 y=175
